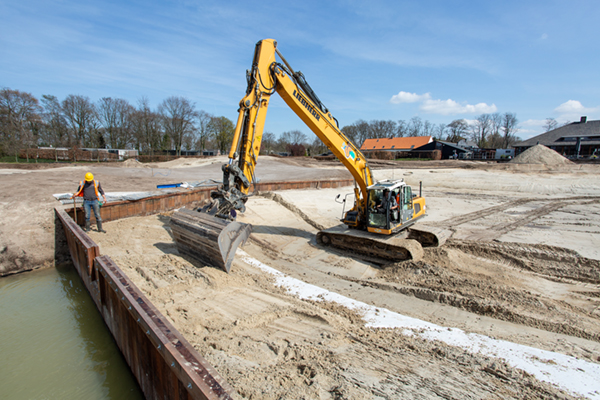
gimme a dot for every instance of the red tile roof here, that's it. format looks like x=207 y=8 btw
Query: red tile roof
x=398 y=143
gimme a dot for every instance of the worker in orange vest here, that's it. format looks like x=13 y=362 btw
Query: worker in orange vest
x=91 y=190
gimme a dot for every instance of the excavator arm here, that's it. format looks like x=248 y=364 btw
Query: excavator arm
x=266 y=77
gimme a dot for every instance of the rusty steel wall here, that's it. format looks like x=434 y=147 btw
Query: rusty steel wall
x=165 y=365
x=171 y=201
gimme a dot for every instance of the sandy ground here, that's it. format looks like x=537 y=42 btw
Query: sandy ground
x=27 y=204
x=522 y=269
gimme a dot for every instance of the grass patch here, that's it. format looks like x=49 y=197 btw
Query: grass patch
x=11 y=159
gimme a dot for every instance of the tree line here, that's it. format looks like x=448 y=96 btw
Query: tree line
x=487 y=130
x=78 y=122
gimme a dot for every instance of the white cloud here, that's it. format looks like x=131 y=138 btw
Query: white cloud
x=573 y=107
x=443 y=107
x=405 y=97
x=449 y=107
x=544 y=36
x=536 y=123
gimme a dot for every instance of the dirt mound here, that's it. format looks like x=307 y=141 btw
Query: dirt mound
x=192 y=162
x=540 y=154
x=133 y=163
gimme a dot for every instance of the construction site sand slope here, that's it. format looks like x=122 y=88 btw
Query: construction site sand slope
x=270 y=344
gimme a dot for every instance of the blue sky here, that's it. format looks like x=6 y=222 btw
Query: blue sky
x=392 y=60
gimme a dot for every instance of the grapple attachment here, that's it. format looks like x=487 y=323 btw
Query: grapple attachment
x=209 y=239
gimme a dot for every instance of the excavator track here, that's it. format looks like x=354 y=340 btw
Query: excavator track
x=393 y=248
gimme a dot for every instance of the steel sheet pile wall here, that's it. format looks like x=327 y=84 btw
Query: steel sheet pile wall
x=171 y=201
x=165 y=365
x=82 y=248
x=147 y=206
x=289 y=185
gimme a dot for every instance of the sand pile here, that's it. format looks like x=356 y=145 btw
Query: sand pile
x=133 y=163
x=192 y=162
x=540 y=154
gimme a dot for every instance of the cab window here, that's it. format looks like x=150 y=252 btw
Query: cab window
x=377 y=216
x=407 y=197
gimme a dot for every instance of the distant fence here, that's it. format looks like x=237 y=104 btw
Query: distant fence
x=392 y=155
x=72 y=155
x=162 y=158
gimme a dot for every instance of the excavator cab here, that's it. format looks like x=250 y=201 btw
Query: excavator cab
x=390 y=207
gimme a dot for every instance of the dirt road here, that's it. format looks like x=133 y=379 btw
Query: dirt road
x=522 y=272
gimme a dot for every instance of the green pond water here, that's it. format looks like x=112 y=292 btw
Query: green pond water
x=54 y=343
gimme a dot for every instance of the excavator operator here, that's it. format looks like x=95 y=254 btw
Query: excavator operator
x=389 y=203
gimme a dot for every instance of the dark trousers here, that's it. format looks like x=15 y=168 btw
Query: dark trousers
x=88 y=205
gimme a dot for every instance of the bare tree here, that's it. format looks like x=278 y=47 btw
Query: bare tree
x=457 y=130
x=203 y=133
x=495 y=139
x=415 y=126
x=358 y=132
x=146 y=127
x=350 y=131
x=509 y=128
x=481 y=129
x=362 y=131
x=222 y=130
x=80 y=114
x=440 y=131
x=96 y=134
x=428 y=128
x=115 y=116
x=178 y=115
x=318 y=147
x=550 y=124
x=382 y=129
x=401 y=128
x=268 y=142
x=296 y=137
x=54 y=131
x=285 y=139
x=19 y=121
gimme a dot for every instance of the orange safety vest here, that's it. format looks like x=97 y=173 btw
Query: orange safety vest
x=82 y=184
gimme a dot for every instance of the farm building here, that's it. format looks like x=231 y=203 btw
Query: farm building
x=575 y=140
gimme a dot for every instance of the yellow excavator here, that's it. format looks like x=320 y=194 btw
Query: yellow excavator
x=376 y=224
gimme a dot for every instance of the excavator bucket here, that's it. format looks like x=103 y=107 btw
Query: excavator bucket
x=429 y=236
x=207 y=238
